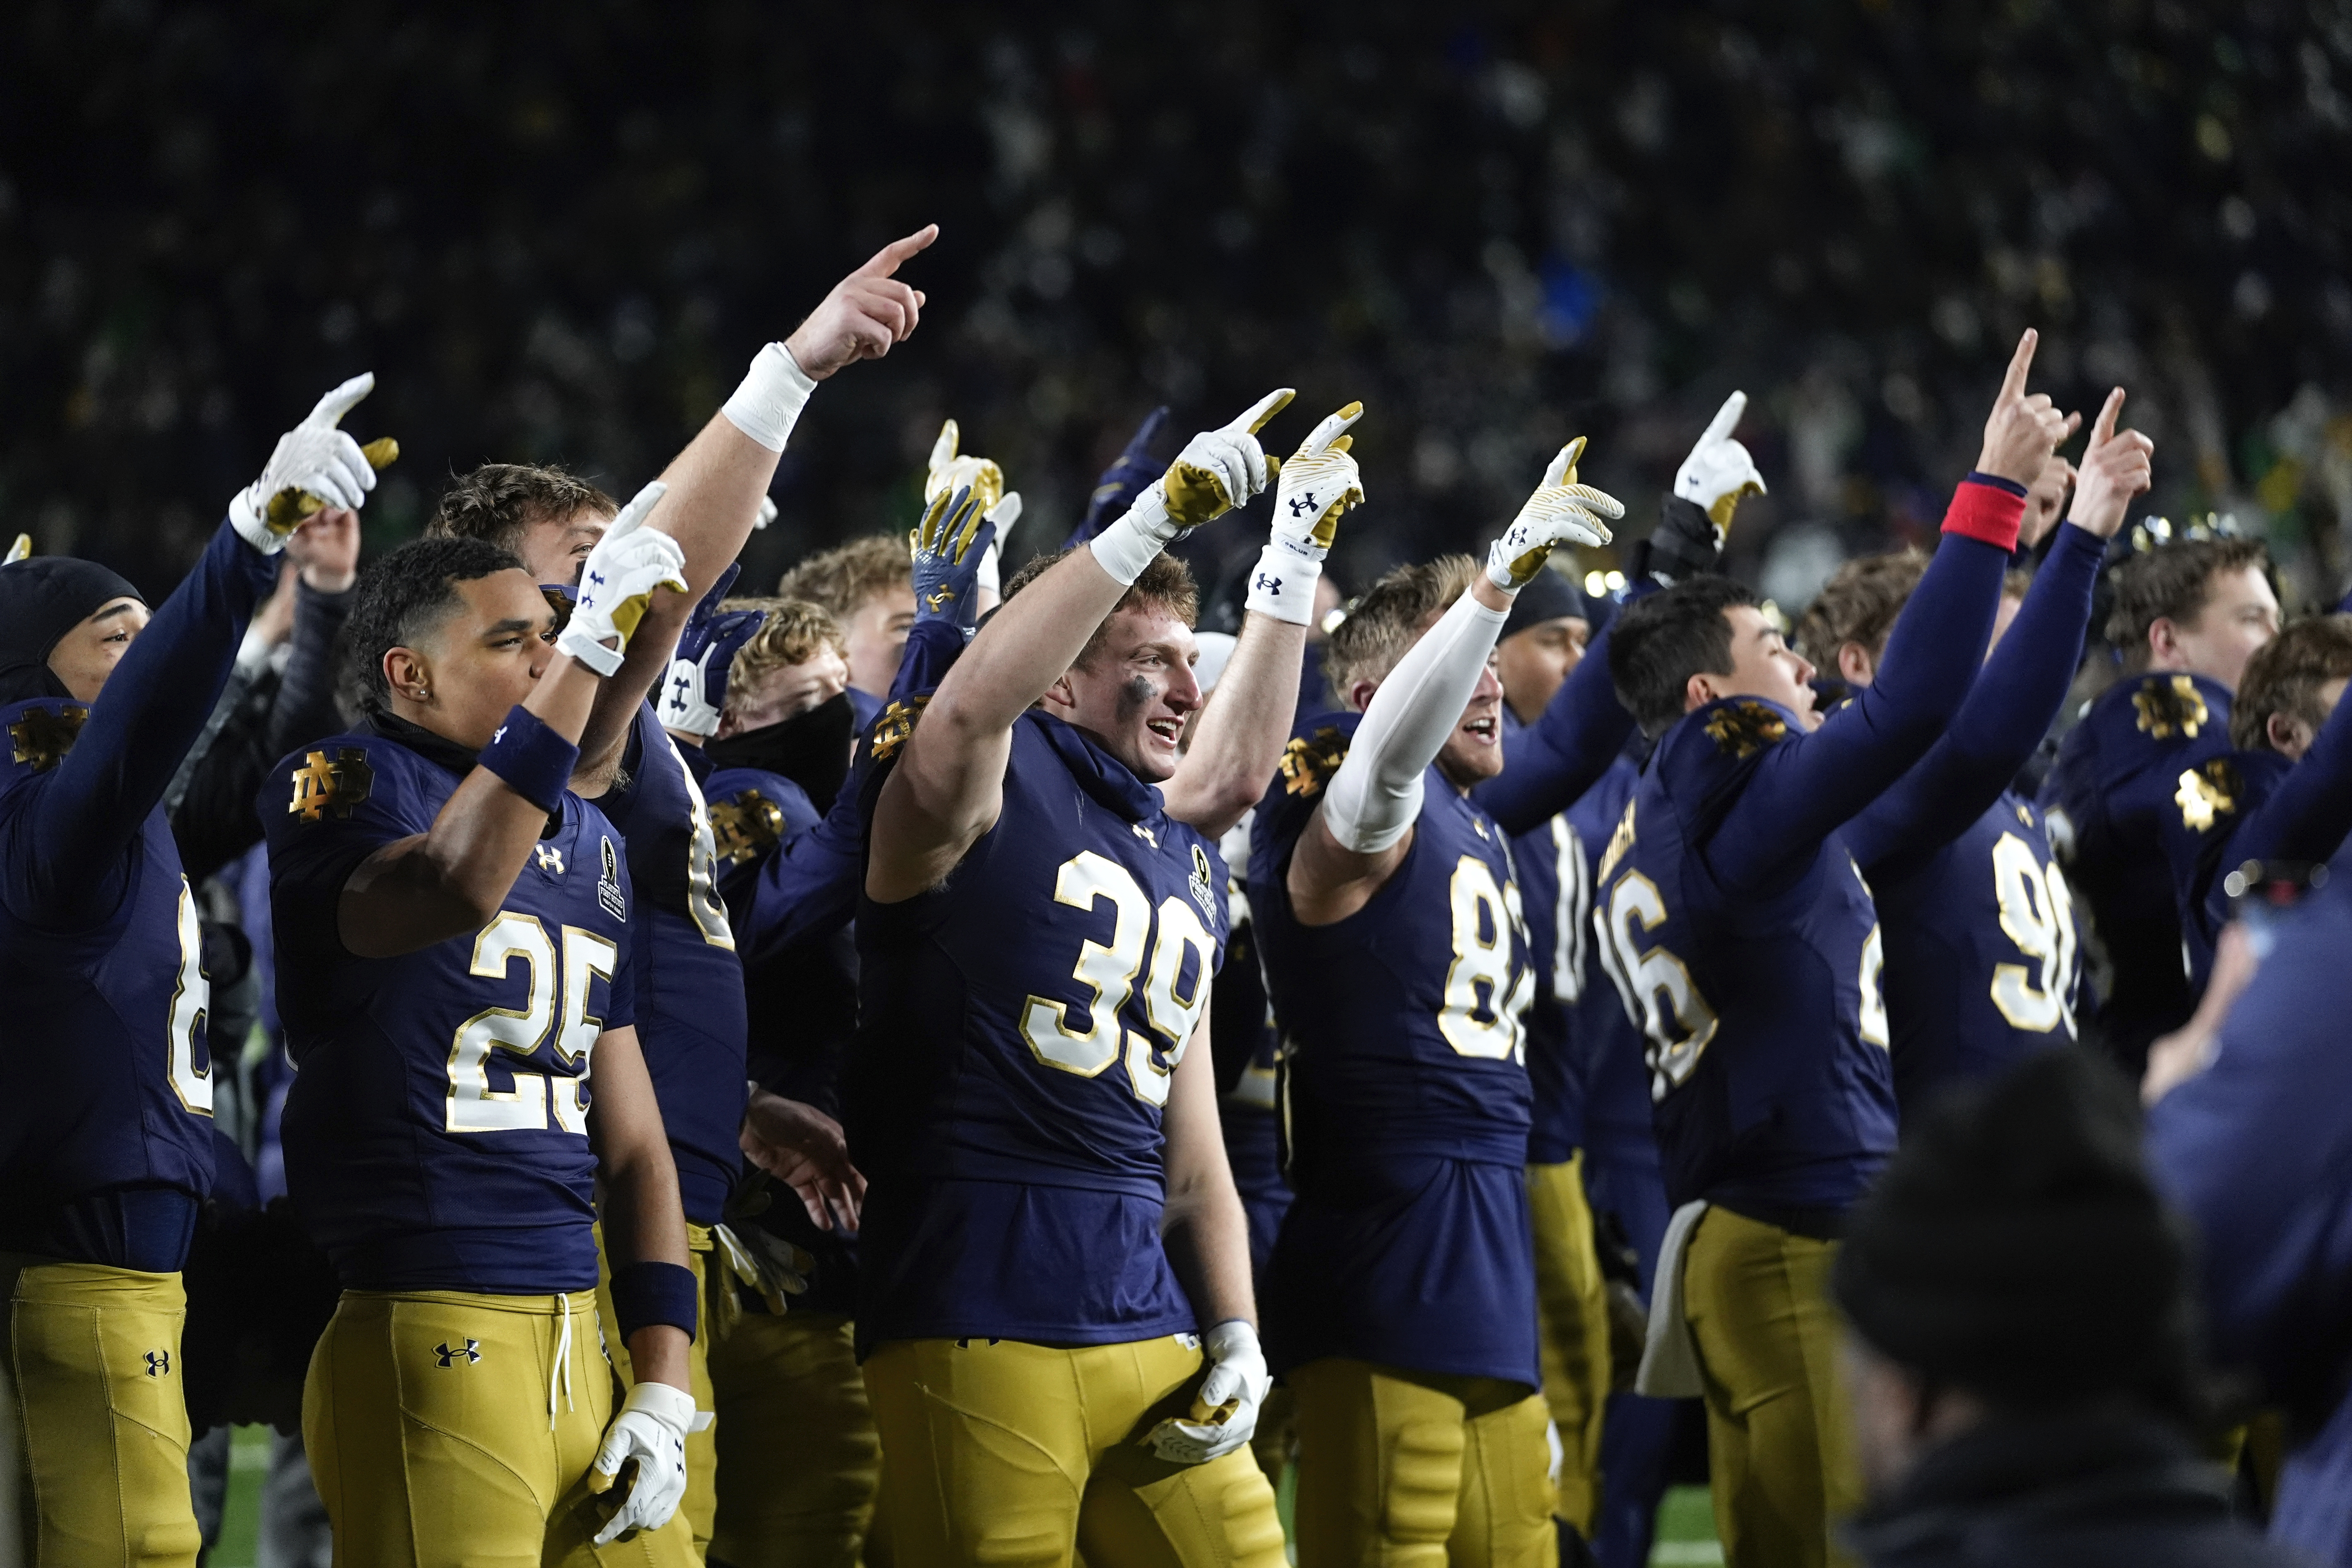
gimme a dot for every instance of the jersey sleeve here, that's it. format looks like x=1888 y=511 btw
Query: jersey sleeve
x=325 y=809
x=1803 y=787
x=1552 y=762
x=65 y=864
x=2008 y=710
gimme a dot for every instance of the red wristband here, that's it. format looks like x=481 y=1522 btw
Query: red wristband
x=1986 y=512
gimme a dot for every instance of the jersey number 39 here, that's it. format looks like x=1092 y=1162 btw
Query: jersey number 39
x=1108 y=971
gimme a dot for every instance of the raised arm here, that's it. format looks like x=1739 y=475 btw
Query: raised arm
x=158 y=699
x=948 y=787
x=1361 y=830
x=2024 y=681
x=717 y=483
x=451 y=879
x=1239 y=737
x=1804 y=788
x=2306 y=818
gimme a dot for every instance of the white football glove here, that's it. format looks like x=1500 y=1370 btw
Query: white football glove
x=1318 y=482
x=1561 y=511
x=1719 y=471
x=313 y=458
x=988 y=587
x=947 y=473
x=1217 y=471
x=619 y=582
x=1225 y=1410
x=651 y=1428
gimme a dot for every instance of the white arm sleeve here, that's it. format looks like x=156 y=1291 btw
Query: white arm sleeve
x=1376 y=793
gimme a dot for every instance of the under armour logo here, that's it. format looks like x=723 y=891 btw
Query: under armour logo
x=1303 y=505
x=683 y=685
x=497 y=735
x=471 y=1350
x=1145 y=834
x=1268 y=584
x=551 y=858
x=595 y=580
x=159 y=1364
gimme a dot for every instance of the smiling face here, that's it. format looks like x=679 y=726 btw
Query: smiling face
x=1133 y=690
x=1761 y=665
x=458 y=676
x=87 y=654
x=1472 y=753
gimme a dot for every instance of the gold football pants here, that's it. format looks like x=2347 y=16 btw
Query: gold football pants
x=445 y=1428
x=96 y=1445
x=1013 y=1453
x=1780 y=1436
x=701 y=1458
x=1408 y=1469
x=1572 y=1309
x=799 y=1462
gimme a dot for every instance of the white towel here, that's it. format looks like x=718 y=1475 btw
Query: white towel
x=1669 y=1356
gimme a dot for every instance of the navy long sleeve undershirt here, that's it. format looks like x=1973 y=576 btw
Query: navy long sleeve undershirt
x=68 y=834
x=2007 y=712
x=807 y=889
x=1806 y=788
x=1550 y=764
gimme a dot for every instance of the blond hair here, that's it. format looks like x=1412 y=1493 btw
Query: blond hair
x=794 y=632
x=843 y=578
x=1390 y=617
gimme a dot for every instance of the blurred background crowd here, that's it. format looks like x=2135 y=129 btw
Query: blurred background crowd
x=557 y=232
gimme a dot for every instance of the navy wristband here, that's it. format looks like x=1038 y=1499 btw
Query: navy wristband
x=535 y=761
x=645 y=1294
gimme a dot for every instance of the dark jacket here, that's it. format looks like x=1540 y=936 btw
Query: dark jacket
x=2092 y=1491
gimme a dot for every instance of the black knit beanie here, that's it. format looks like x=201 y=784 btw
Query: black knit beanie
x=41 y=600
x=2016 y=1249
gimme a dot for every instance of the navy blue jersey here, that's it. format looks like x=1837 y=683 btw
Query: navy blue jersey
x=1981 y=959
x=1241 y=1026
x=436 y=1136
x=1768 y=1071
x=1019 y=1025
x=690 y=984
x=802 y=994
x=1555 y=875
x=1405 y=1090
x=1607 y=1041
x=106 y=1145
x=2114 y=812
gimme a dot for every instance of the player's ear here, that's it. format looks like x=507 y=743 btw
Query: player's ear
x=1855 y=666
x=408 y=673
x=1359 y=695
x=2162 y=638
x=1061 y=695
x=1698 y=692
x=2288 y=735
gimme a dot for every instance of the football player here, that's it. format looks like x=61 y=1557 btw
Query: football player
x=867 y=586
x=1390 y=921
x=1051 y=1240
x=1740 y=929
x=689 y=978
x=106 y=1147
x=1975 y=917
x=2186 y=617
x=2284 y=795
x=453 y=938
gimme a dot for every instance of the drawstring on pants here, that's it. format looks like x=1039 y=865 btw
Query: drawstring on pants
x=561 y=1370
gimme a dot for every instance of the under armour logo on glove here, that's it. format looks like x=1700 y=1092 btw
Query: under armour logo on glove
x=1304 y=504
x=471 y=1350
x=1265 y=583
x=159 y=1364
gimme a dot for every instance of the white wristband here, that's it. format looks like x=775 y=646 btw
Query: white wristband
x=769 y=401
x=1136 y=538
x=1283 y=585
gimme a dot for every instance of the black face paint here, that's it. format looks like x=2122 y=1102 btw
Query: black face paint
x=1135 y=696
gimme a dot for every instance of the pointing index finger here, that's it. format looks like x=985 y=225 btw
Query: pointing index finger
x=1253 y=419
x=1329 y=430
x=2012 y=385
x=331 y=408
x=1725 y=420
x=2103 y=429
x=943 y=450
x=888 y=260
